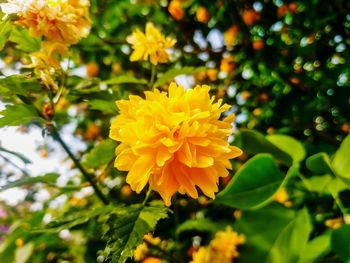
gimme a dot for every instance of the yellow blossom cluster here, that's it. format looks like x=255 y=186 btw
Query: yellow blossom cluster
x=174 y=141
x=150 y=45
x=141 y=251
x=222 y=249
x=59 y=23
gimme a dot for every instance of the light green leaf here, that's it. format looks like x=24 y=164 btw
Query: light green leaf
x=125 y=79
x=253 y=142
x=316 y=248
x=5 y=31
x=340 y=242
x=292 y=240
x=23 y=254
x=101 y=154
x=15 y=115
x=49 y=178
x=288 y=144
x=105 y=106
x=319 y=163
x=18 y=155
x=20 y=85
x=254 y=183
x=341 y=161
x=24 y=41
x=318 y=184
x=172 y=73
x=127 y=227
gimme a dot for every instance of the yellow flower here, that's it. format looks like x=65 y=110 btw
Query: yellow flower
x=45 y=62
x=222 y=249
x=174 y=142
x=64 y=21
x=151 y=45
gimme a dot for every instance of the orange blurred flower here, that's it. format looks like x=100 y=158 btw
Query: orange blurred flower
x=176 y=10
x=92 y=69
x=202 y=15
x=250 y=16
x=258 y=44
x=227 y=64
x=230 y=35
x=174 y=142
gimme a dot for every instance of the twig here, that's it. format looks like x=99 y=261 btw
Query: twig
x=87 y=176
x=14 y=165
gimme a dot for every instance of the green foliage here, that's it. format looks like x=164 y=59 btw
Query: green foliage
x=126 y=227
x=253 y=142
x=340 y=241
x=101 y=154
x=20 y=156
x=341 y=161
x=49 y=178
x=5 y=31
x=14 y=115
x=24 y=41
x=254 y=183
x=292 y=240
x=18 y=85
x=319 y=163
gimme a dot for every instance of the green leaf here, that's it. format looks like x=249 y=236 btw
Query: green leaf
x=172 y=73
x=101 y=154
x=341 y=161
x=340 y=242
x=24 y=41
x=319 y=163
x=261 y=227
x=20 y=85
x=15 y=115
x=18 y=155
x=316 y=248
x=253 y=184
x=125 y=79
x=127 y=227
x=253 y=142
x=23 y=254
x=196 y=225
x=292 y=240
x=5 y=31
x=49 y=178
x=288 y=144
x=318 y=184
x=105 y=106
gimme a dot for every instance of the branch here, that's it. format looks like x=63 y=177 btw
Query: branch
x=88 y=176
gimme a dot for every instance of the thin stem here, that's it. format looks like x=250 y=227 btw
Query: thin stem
x=153 y=76
x=14 y=165
x=147 y=196
x=87 y=176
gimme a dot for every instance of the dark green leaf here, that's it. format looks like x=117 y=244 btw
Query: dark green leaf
x=253 y=142
x=319 y=163
x=49 y=178
x=261 y=227
x=292 y=240
x=172 y=73
x=101 y=154
x=127 y=227
x=15 y=115
x=340 y=242
x=253 y=184
x=196 y=225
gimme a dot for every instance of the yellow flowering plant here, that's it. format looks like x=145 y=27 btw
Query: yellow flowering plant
x=178 y=131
